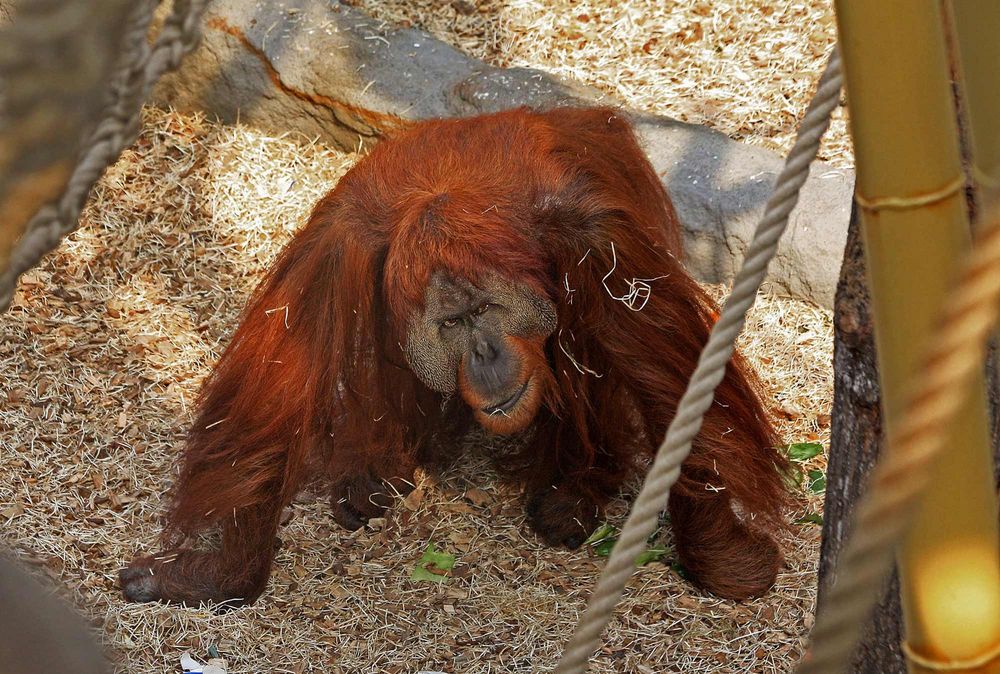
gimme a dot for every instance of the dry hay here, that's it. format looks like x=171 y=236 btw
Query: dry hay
x=747 y=68
x=100 y=358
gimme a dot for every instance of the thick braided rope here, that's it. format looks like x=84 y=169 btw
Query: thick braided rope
x=138 y=69
x=939 y=389
x=709 y=373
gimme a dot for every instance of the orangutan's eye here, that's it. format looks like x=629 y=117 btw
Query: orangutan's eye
x=449 y=322
x=483 y=308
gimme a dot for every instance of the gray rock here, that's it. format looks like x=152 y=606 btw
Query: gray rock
x=316 y=67
x=39 y=632
x=720 y=188
x=329 y=71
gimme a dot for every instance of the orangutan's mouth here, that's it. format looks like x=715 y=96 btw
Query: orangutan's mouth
x=508 y=404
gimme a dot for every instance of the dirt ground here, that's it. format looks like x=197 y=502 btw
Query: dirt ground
x=106 y=343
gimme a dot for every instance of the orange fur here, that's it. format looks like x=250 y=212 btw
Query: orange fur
x=564 y=202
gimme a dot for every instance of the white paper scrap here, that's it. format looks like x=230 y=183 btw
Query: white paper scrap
x=192 y=666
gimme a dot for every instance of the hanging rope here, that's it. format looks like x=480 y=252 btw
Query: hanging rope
x=709 y=373
x=139 y=67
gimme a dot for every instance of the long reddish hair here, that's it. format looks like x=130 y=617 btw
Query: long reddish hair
x=564 y=202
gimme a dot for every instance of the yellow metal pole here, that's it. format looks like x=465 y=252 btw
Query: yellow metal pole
x=910 y=190
x=977 y=25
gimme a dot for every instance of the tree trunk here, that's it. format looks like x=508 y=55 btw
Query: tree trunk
x=855 y=444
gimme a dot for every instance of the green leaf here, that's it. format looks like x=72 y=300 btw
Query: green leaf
x=603 y=549
x=604 y=531
x=433 y=565
x=792 y=477
x=653 y=554
x=801 y=452
x=817 y=482
x=603 y=540
x=441 y=560
x=811 y=518
x=420 y=573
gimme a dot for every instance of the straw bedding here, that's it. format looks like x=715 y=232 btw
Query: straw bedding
x=103 y=350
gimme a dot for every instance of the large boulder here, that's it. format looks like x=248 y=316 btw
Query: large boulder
x=329 y=71
x=39 y=632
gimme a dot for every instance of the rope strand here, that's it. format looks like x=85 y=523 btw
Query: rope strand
x=139 y=68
